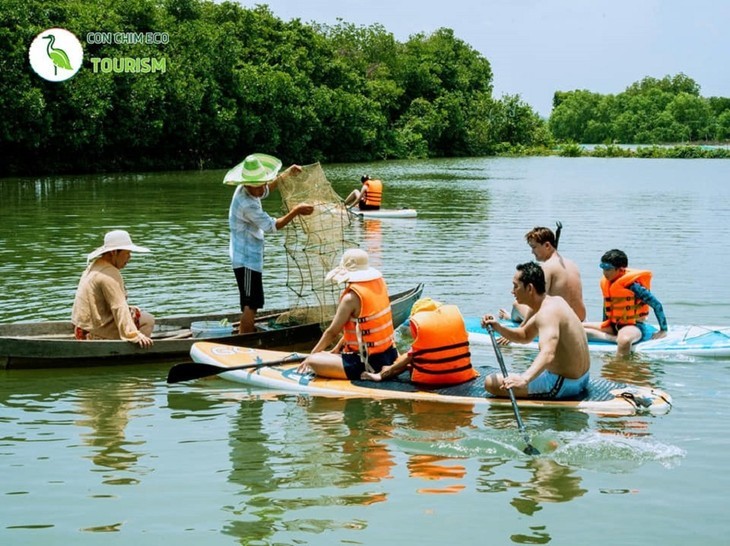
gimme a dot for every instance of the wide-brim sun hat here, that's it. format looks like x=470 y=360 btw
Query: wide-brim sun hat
x=354 y=267
x=117 y=239
x=255 y=170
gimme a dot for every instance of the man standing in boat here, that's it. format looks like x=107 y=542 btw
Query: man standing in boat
x=439 y=355
x=626 y=301
x=255 y=177
x=562 y=276
x=364 y=318
x=100 y=309
x=561 y=367
x=369 y=197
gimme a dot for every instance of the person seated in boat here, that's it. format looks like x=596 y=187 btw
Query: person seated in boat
x=256 y=176
x=364 y=318
x=369 y=197
x=626 y=301
x=439 y=355
x=562 y=276
x=561 y=367
x=100 y=309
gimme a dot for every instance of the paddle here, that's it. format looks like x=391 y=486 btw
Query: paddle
x=185 y=371
x=529 y=450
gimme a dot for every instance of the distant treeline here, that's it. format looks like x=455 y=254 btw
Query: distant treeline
x=239 y=80
x=651 y=111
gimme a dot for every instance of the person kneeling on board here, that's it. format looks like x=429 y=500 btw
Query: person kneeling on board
x=439 y=355
x=561 y=367
x=364 y=317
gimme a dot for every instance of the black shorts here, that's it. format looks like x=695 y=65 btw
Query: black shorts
x=250 y=288
x=363 y=206
x=354 y=366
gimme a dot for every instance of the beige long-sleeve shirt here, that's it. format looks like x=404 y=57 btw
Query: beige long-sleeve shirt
x=101 y=307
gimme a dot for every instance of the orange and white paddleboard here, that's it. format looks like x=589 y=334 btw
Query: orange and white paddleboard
x=270 y=370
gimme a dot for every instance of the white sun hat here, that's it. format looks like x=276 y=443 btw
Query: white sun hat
x=354 y=267
x=255 y=170
x=117 y=239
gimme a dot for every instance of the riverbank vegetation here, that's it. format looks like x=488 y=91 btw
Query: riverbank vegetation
x=238 y=80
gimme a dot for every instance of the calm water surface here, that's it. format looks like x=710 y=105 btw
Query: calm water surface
x=115 y=454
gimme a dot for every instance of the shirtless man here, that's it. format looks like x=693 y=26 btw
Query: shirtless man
x=562 y=277
x=561 y=368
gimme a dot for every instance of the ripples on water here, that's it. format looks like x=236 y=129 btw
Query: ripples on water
x=118 y=451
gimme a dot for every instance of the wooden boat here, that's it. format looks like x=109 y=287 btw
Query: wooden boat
x=52 y=344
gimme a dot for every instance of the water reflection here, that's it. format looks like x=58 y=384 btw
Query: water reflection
x=107 y=413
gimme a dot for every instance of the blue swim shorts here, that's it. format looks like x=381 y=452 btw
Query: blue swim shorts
x=354 y=366
x=647 y=330
x=554 y=387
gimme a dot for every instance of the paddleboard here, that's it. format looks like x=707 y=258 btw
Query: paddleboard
x=603 y=396
x=385 y=213
x=709 y=341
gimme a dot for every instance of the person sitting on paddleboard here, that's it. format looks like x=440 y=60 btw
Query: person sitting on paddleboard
x=100 y=309
x=562 y=276
x=439 y=355
x=364 y=318
x=561 y=367
x=369 y=197
x=626 y=301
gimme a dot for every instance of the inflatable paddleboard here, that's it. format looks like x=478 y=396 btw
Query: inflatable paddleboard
x=603 y=396
x=385 y=213
x=709 y=341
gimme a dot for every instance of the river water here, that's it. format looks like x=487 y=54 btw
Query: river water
x=116 y=454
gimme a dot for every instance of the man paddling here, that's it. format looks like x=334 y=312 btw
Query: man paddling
x=561 y=368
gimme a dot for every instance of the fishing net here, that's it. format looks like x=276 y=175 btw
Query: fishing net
x=314 y=245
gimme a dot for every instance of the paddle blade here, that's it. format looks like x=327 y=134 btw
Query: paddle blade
x=185 y=371
x=530 y=450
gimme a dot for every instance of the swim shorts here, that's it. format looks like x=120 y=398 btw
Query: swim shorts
x=554 y=387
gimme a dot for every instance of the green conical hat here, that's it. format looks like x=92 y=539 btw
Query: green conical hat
x=255 y=170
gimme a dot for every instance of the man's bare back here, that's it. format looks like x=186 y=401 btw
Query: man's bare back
x=562 y=278
x=556 y=318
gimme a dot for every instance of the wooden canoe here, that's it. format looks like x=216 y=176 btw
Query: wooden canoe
x=52 y=344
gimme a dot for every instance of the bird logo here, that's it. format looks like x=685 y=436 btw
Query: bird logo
x=56 y=54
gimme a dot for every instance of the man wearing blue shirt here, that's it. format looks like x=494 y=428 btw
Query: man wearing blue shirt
x=256 y=177
x=626 y=301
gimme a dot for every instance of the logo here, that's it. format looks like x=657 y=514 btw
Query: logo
x=56 y=54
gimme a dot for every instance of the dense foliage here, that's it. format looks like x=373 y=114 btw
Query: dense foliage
x=240 y=80
x=651 y=111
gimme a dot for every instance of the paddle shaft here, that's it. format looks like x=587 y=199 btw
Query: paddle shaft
x=530 y=449
x=185 y=371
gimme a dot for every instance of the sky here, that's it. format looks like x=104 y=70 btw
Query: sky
x=537 y=47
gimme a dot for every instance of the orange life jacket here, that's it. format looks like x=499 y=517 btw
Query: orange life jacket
x=620 y=305
x=440 y=350
x=374 y=194
x=372 y=332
